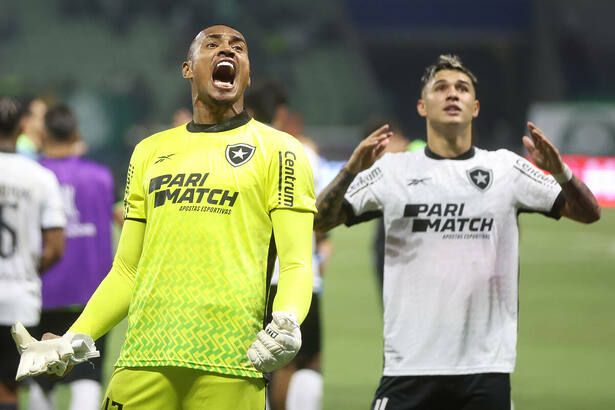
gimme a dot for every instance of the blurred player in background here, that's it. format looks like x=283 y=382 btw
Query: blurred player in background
x=30 y=140
x=203 y=203
x=31 y=240
x=451 y=267
x=87 y=192
x=181 y=117
x=397 y=143
x=298 y=385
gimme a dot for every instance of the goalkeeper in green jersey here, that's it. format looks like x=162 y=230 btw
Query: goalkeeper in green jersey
x=204 y=202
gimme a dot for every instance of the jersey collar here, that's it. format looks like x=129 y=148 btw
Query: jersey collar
x=466 y=155
x=234 y=122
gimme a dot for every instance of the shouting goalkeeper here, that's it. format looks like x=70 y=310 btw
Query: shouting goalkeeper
x=204 y=202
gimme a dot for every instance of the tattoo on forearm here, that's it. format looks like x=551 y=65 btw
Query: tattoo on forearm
x=329 y=202
x=580 y=201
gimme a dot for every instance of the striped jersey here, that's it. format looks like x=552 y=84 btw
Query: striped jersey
x=30 y=201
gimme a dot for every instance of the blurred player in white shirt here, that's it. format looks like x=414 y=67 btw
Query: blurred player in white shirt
x=450 y=212
x=31 y=240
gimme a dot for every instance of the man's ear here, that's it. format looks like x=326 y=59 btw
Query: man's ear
x=476 y=109
x=420 y=107
x=187 y=70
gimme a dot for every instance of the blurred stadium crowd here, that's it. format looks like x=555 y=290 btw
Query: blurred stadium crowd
x=117 y=63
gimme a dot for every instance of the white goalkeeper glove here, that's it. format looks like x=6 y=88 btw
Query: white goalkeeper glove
x=276 y=346
x=52 y=356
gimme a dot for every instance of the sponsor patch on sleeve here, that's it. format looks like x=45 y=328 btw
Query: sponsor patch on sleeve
x=535 y=174
x=287 y=178
x=364 y=180
x=129 y=175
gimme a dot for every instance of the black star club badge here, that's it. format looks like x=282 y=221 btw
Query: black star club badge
x=480 y=177
x=239 y=154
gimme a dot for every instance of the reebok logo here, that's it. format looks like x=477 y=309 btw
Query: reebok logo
x=417 y=181
x=163 y=157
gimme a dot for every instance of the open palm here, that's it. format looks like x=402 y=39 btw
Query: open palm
x=369 y=150
x=542 y=151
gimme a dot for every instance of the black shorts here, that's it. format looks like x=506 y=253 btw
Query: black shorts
x=310 y=329
x=57 y=322
x=485 y=391
x=9 y=357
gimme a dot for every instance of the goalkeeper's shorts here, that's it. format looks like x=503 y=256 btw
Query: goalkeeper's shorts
x=178 y=388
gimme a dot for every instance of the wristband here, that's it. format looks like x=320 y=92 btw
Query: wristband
x=564 y=176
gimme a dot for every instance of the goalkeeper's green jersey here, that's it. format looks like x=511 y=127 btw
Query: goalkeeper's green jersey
x=205 y=193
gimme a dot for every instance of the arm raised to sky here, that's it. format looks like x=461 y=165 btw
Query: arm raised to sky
x=581 y=204
x=329 y=202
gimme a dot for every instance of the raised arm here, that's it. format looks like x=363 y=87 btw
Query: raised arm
x=329 y=202
x=581 y=205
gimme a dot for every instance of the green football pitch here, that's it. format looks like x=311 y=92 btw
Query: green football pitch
x=566 y=345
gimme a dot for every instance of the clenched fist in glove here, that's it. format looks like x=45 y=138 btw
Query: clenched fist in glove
x=276 y=346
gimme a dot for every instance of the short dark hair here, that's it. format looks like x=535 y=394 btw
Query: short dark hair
x=195 y=42
x=263 y=99
x=446 y=62
x=11 y=112
x=192 y=48
x=60 y=123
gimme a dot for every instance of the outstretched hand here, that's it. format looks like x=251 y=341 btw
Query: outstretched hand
x=52 y=355
x=369 y=150
x=542 y=151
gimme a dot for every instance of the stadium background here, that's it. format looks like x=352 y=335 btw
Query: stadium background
x=117 y=64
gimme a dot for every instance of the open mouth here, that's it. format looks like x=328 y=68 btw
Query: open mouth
x=452 y=109
x=223 y=75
